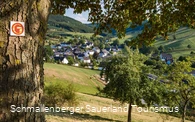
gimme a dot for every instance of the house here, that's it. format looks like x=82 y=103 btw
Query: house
x=96 y=49
x=64 y=44
x=89 y=44
x=68 y=49
x=114 y=48
x=58 y=46
x=65 y=61
x=192 y=72
x=80 y=56
x=103 y=53
x=84 y=46
x=58 y=56
x=86 y=54
x=76 y=64
x=91 y=52
x=77 y=51
x=90 y=65
x=166 y=57
x=86 y=60
x=108 y=49
x=69 y=54
x=74 y=47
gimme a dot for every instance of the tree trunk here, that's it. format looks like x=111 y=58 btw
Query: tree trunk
x=21 y=59
x=129 y=112
x=174 y=36
x=184 y=111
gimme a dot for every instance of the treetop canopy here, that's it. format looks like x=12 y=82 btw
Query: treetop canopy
x=159 y=16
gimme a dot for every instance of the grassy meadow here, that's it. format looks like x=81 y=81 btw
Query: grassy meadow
x=184 y=37
x=83 y=79
x=86 y=84
x=95 y=101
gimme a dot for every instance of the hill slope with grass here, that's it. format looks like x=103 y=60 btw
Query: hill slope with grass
x=179 y=46
x=84 y=80
x=86 y=84
x=67 y=24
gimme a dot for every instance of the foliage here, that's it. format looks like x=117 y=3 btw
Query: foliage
x=181 y=85
x=102 y=46
x=81 y=41
x=149 y=50
x=115 y=42
x=182 y=58
x=73 y=41
x=48 y=53
x=70 y=60
x=57 y=93
x=82 y=64
x=159 y=16
x=150 y=62
x=189 y=46
x=128 y=82
x=161 y=48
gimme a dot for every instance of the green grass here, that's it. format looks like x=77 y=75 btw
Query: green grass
x=81 y=78
x=127 y=36
x=88 y=35
x=98 y=102
x=184 y=37
x=84 y=83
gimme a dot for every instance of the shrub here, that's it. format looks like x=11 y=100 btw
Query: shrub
x=192 y=52
x=189 y=46
x=58 y=93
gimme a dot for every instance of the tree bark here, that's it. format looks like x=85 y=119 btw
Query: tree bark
x=21 y=59
x=184 y=111
x=129 y=112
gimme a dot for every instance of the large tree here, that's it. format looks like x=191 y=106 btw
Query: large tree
x=21 y=58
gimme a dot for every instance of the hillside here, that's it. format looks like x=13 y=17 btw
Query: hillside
x=67 y=24
x=86 y=85
x=178 y=46
x=83 y=79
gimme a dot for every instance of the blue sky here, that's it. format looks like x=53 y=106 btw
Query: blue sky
x=80 y=17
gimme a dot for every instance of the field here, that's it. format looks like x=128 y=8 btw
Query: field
x=98 y=102
x=86 y=85
x=88 y=35
x=184 y=37
x=128 y=36
x=83 y=79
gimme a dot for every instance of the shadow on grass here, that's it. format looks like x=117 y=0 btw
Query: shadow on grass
x=81 y=116
x=98 y=95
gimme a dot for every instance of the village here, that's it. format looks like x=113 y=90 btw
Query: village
x=88 y=55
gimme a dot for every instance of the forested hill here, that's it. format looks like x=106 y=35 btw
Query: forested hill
x=71 y=25
x=68 y=24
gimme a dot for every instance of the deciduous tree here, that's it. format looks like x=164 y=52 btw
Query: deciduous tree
x=128 y=82
x=181 y=86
